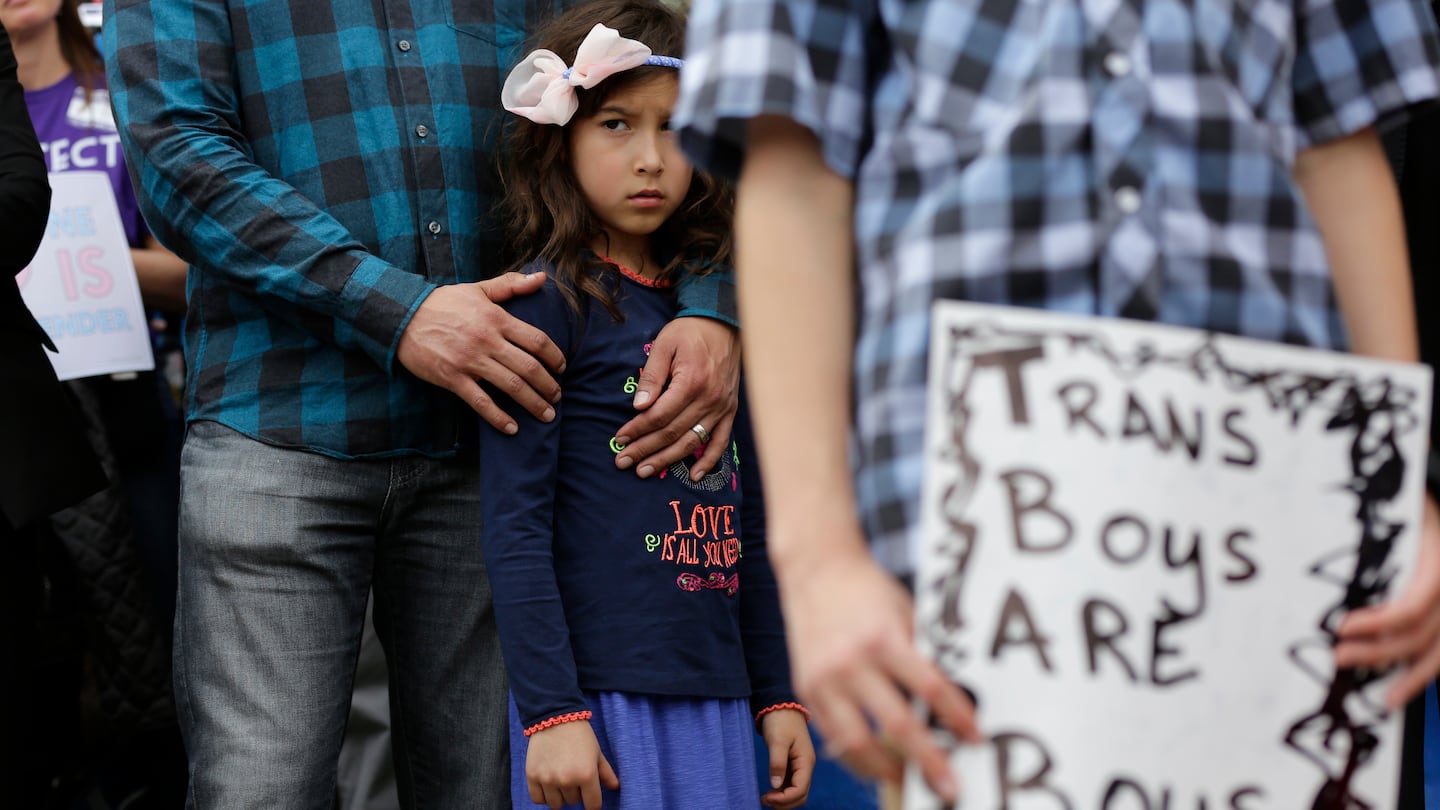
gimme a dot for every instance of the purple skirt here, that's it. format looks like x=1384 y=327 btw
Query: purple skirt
x=690 y=753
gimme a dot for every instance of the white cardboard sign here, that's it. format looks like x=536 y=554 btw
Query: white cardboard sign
x=81 y=286
x=1139 y=541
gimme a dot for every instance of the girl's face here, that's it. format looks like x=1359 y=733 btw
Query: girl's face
x=629 y=167
x=24 y=18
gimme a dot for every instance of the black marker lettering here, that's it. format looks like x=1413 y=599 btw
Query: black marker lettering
x=1097 y=639
x=1020 y=509
x=1248 y=567
x=1009 y=361
x=1112 y=526
x=1015 y=610
x=1011 y=784
x=1248 y=446
x=1078 y=397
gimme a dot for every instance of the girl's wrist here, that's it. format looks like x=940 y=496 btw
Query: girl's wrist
x=568 y=717
x=780 y=707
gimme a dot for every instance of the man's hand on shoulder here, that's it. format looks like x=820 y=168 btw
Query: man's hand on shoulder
x=461 y=335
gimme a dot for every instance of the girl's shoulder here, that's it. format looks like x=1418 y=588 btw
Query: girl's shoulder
x=556 y=279
x=538 y=266
x=543 y=305
x=554 y=285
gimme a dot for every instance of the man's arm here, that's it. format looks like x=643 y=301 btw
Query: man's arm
x=173 y=89
x=850 y=625
x=161 y=275
x=1351 y=192
x=24 y=187
x=177 y=105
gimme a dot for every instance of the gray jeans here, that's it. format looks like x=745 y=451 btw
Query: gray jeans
x=278 y=551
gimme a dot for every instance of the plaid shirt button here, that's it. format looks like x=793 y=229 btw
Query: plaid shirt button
x=1117 y=64
x=1127 y=199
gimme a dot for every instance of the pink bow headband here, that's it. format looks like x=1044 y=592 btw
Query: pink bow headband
x=542 y=87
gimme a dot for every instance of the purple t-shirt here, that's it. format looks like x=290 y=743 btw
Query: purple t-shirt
x=79 y=135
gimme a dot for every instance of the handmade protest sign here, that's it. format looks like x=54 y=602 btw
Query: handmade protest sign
x=81 y=285
x=1139 y=542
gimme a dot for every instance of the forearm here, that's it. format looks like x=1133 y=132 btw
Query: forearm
x=162 y=277
x=1351 y=193
x=210 y=202
x=534 y=635
x=519 y=476
x=517 y=495
x=794 y=266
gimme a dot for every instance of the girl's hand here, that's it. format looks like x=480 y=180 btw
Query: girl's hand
x=792 y=758
x=563 y=765
x=1405 y=630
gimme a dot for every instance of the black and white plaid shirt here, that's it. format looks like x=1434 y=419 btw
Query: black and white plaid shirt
x=1116 y=157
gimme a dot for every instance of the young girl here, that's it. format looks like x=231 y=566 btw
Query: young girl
x=642 y=644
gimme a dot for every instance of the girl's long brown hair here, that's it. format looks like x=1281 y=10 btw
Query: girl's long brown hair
x=77 y=46
x=543 y=210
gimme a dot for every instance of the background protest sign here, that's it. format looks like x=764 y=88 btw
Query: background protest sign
x=81 y=285
x=1139 y=540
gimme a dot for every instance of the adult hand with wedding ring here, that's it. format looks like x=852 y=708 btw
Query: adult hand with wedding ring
x=691 y=380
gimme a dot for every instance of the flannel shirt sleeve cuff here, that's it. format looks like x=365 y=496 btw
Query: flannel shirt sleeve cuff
x=710 y=296
x=380 y=301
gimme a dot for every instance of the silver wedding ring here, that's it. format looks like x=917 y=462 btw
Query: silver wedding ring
x=699 y=430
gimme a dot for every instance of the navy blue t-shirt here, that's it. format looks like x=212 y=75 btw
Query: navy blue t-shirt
x=606 y=581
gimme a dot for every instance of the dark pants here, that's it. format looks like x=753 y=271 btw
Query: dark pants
x=1412 y=756
x=21 y=592
x=39 y=670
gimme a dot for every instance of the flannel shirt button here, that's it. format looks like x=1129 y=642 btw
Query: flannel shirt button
x=422 y=130
x=1127 y=199
x=1117 y=64
x=434 y=227
x=403 y=45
